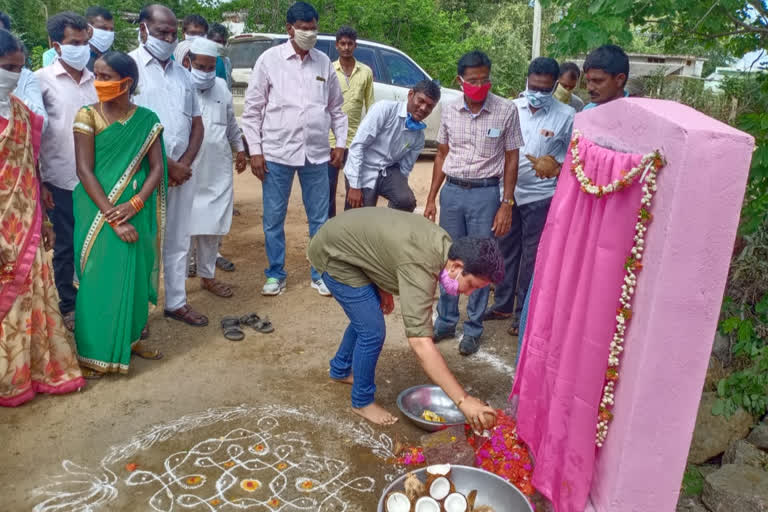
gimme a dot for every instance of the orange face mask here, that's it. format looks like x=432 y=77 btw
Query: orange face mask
x=107 y=91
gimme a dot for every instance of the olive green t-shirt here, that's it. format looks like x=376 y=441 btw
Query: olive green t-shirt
x=401 y=253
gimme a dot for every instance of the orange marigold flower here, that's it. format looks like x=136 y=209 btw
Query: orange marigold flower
x=282 y=466
x=259 y=447
x=215 y=502
x=274 y=503
x=131 y=466
x=249 y=485
x=194 y=480
x=307 y=484
x=228 y=464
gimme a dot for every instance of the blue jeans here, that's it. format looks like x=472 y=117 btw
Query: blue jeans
x=466 y=212
x=523 y=321
x=362 y=342
x=519 y=248
x=276 y=192
x=63 y=220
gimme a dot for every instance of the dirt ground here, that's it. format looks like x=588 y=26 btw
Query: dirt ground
x=218 y=425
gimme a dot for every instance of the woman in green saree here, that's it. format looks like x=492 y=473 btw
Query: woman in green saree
x=119 y=209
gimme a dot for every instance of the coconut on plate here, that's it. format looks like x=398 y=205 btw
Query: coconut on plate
x=426 y=504
x=397 y=501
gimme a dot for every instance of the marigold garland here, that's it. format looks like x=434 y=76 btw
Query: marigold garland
x=647 y=170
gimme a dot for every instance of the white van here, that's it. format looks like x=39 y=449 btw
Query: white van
x=394 y=73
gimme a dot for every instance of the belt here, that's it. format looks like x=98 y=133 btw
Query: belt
x=480 y=183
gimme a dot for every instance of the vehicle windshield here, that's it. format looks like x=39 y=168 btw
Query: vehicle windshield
x=244 y=55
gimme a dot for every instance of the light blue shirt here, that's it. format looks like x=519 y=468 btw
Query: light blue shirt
x=49 y=56
x=546 y=132
x=382 y=140
x=28 y=91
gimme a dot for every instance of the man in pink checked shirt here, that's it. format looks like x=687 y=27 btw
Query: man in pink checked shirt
x=293 y=99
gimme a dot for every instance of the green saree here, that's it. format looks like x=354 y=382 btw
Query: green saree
x=118 y=280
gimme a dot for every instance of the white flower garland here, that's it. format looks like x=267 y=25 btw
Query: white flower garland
x=647 y=169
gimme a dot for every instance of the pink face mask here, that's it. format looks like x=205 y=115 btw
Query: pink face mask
x=450 y=285
x=476 y=93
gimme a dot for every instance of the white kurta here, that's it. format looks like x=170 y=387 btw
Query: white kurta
x=214 y=196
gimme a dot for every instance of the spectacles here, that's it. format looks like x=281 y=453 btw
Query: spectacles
x=476 y=82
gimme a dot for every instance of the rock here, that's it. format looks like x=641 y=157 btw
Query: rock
x=735 y=488
x=713 y=434
x=690 y=505
x=759 y=436
x=721 y=349
x=742 y=452
x=449 y=446
x=708 y=469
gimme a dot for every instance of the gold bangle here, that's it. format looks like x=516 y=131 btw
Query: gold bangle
x=48 y=223
x=458 y=404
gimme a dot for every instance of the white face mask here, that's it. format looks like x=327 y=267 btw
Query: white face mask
x=8 y=82
x=202 y=80
x=305 y=39
x=75 y=56
x=161 y=50
x=102 y=39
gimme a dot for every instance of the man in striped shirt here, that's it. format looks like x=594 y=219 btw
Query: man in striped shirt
x=478 y=146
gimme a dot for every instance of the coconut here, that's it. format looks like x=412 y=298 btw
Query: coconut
x=440 y=488
x=455 y=502
x=414 y=488
x=439 y=470
x=426 y=504
x=397 y=502
x=471 y=500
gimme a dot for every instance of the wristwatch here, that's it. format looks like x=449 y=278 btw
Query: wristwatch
x=510 y=202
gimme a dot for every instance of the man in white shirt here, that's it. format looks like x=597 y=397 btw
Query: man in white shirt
x=387 y=144
x=165 y=88
x=547 y=125
x=66 y=86
x=292 y=101
x=212 y=205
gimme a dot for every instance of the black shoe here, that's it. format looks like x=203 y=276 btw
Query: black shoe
x=440 y=336
x=469 y=345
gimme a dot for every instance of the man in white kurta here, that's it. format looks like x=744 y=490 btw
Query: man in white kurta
x=211 y=215
x=165 y=88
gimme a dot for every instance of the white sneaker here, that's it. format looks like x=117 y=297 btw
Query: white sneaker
x=273 y=286
x=319 y=285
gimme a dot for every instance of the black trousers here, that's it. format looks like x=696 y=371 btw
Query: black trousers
x=391 y=184
x=333 y=180
x=63 y=250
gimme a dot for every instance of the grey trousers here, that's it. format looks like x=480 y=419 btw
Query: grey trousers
x=519 y=247
x=391 y=184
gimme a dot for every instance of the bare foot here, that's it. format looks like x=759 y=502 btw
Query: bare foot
x=346 y=380
x=376 y=414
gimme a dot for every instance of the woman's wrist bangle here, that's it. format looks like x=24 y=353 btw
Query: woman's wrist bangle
x=458 y=404
x=47 y=223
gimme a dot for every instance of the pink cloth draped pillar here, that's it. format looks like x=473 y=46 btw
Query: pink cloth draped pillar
x=574 y=302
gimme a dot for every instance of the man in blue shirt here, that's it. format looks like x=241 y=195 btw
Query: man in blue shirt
x=385 y=148
x=606 y=69
x=546 y=125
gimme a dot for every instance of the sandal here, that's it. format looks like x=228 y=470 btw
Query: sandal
x=90 y=374
x=497 y=315
x=217 y=288
x=224 y=264
x=514 y=330
x=230 y=325
x=139 y=350
x=187 y=315
x=69 y=321
x=254 y=321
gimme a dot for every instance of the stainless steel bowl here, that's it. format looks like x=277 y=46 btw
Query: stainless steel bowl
x=491 y=489
x=414 y=401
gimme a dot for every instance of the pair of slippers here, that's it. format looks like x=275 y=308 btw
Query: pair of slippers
x=231 y=326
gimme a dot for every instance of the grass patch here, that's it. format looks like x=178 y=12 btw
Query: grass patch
x=693 y=481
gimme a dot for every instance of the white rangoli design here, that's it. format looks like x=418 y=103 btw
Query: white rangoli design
x=258 y=468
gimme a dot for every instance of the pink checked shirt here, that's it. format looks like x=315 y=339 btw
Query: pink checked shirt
x=477 y=142
x=290 y=106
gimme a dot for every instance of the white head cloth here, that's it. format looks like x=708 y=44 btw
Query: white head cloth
x=202 y=46
x=181 y=51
